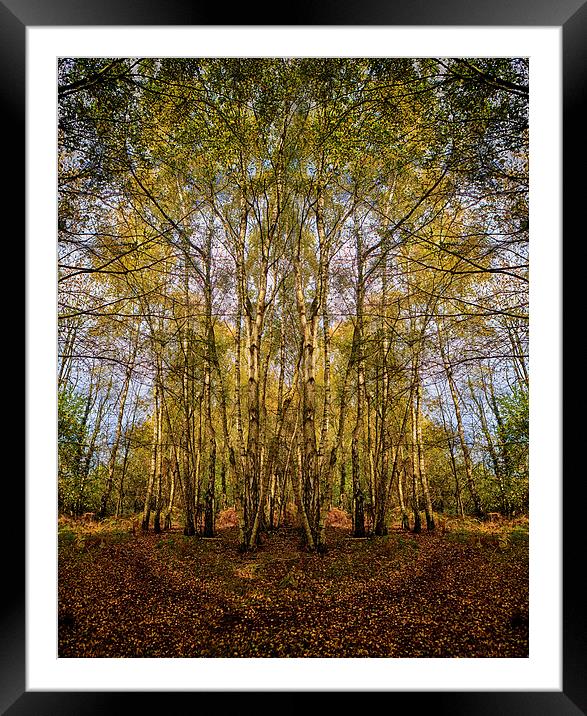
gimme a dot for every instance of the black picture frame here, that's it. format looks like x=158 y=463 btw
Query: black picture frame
x=571 y=16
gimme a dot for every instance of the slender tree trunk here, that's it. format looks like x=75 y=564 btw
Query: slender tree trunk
x=358 y=494
x=519 y=361
x=503 y=446
x=493 y=454
x=342 y=490
x=184 y=479
x=117 y=435
x=159 y=470
x=384 y=480
x=371 y=459
x=92 y=446
x=421 y=462
x=381 y=487
x=402 y=504
x=253 y=489
x=415 y=466
x=298 y=487
x=172 y=472
x=154 y=455
x=479 y=511
x=66 y=352
x=210 y=492
x=310 y=468
x=80 y=462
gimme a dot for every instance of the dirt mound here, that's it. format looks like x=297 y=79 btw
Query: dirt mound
x=227 y=518
x=338 y=518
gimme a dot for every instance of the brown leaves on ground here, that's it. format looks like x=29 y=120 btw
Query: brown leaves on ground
x=454 y=593
x=338 y=518
x=227 y=518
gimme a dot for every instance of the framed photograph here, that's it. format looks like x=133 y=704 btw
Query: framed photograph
x=52 y=51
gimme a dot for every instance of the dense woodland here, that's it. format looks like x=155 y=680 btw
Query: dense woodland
x=293 y=285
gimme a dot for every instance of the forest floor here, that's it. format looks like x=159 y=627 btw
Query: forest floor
x=461 y=591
